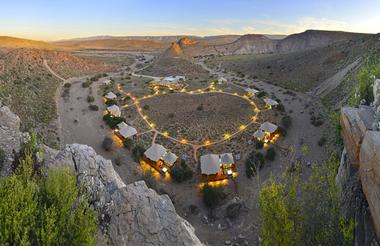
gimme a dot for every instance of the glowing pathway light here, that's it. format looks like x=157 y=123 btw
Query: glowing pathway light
x=152 y=125
x=227 y=136
x=242 y=127
x=184 y=141
x=207 y=142
x=165 y=134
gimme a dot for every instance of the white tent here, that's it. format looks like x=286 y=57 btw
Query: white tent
x=251 y=91
x=210 y=164
x=155 y=152
x=270 y=102
x=259 y=134
x=227 y=158
x=169 y=158
x=114 y=110
x=125 y=130
x=268 y=127
x=110 y=96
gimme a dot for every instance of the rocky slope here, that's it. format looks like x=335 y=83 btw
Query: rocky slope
x=133 y=214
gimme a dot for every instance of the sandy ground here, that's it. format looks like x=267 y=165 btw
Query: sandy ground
x=80 y=125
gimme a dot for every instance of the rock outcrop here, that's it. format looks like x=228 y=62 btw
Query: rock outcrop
x=363 y=151
x=10 y=137
x=134 y=214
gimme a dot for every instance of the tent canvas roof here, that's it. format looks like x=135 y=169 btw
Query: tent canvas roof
x=210 y=164
x=110 y=95
x=259 y=134
x=251 y=90
x=122 y=125
x=155 y=152
x=227 y=158
x=169 y=158
x=115 y=110
x=268 y=127
x=270 y=102
x=127 y=131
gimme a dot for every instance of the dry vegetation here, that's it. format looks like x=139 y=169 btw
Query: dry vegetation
x=29 y=89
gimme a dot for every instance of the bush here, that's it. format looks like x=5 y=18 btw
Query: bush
x=128 y=143
x=271 y=154
x=138 y=153
x=44 y=209
x=107 y=143
x=146 y=107
x=212 y=196
x=112 y=122
x=200 y=107
x=280 y=107
x=322 y=141
x=261 y=94
x=86 y=84
x=90 y=99
x=67 y=85
x=171 y=115
x=111 y=102
x=286 y=121
x=118 y=160
x=181 y=173
x=93 y=107
x=282 y=131
x=258 y=144
x=254 y=162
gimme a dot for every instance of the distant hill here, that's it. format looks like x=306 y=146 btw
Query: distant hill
x=261 y=44
x=12 y=42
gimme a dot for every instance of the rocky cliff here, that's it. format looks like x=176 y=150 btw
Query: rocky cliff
x=361 y=162
x=133 y=214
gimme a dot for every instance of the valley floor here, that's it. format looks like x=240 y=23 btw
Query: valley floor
x=81 y=125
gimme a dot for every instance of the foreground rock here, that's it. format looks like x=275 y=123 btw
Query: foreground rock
x=10 y=137
x=133 y=214
x=363 y=152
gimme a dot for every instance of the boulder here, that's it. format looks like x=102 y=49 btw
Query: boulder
x=10 y=137
x=355 y=122
x=134 y=214
x=370 y=174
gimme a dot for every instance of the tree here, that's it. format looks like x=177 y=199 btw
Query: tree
x=138 y=153
x=294 y=212
x=128 y=143
x=181 y=173
x=271 y=154
x=107 y=143
x=212 y=196
x=2 y=157
x=253 y=163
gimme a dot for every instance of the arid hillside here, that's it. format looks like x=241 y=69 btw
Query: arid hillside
x=12 y=42
x=29 y=88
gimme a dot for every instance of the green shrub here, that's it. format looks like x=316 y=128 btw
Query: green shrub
x=90 y=99
x=200 y=107
x=128 y=143
x=254 y=162
x=181 y=173
x=212 y=196
x=111 y=102
x=86 y=84
x=258 y=144
x=146 y=107
x=44 y=209
x=261 y=94
x=322 y=141
x=286 y=121
x=112 y=121
x=271 y=154
x=107 y=143
x=138 y=153
x=282 y=131
x=93 y=107
x=67 y=85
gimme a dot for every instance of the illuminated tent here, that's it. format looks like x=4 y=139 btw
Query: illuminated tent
x=155 y=152
x=169 y=158
x=125 y=130
x=268 y=127
x=114 y=110
x=227 y=158
x=210 y=164
x=259 y=134
x=270 y=102
x=110 y=96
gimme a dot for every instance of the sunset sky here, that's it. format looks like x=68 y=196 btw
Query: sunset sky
x=53 y=20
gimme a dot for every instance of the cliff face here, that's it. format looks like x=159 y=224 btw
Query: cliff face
x=133 y=214
x=363 y=159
